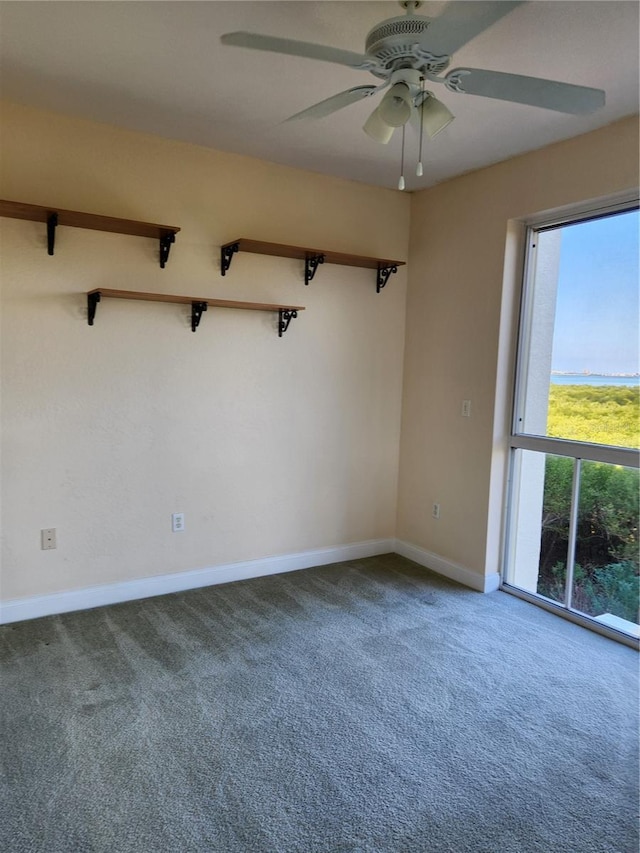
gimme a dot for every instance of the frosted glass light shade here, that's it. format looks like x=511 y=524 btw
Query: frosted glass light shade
x=395 y=108
x=378 y=129
x=435 y=116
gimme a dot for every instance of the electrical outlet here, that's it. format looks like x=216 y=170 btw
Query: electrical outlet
x=466 y=408
x=48 y=539
x=435 y=512
x=177 y=522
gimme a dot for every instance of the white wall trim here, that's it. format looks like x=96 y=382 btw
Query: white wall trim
x=451 y=570
x=16 y=610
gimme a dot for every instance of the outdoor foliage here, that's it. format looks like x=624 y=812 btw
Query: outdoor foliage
x=604 y=414
x=606 y=571
x=609 y=589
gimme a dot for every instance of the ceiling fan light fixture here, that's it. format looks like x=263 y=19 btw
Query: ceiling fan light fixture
x=435 y=115
x=378 y=129
x=395 y=107
x=401 y=52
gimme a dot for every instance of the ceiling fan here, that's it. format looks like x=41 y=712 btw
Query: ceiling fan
x=410 y=51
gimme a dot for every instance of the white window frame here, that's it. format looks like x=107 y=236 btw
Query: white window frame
x=577 y=450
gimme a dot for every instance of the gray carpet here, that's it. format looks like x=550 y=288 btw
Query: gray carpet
x=366 y=707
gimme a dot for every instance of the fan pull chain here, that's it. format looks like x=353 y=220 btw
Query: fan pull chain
x=401 y=183
x=419 y=170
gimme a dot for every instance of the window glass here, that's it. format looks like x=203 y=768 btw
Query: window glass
x=581 y=377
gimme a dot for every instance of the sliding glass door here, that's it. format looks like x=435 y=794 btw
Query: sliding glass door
x=572 y=540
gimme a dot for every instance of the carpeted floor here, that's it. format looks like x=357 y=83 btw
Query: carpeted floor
x=366 y=707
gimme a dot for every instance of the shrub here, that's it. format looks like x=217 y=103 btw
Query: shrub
x=604 y=414
x=613 y=588
x=606 y=573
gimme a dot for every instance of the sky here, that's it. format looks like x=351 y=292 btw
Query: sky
x=597 y=325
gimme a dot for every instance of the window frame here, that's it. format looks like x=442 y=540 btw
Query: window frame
x=577 y=450
x=629 y=457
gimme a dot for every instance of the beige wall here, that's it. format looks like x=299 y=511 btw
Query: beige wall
x=269 y=446
x=460 y=321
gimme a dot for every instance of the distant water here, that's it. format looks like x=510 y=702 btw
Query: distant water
x=593 y=379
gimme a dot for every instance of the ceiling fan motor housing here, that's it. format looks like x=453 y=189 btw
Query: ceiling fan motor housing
x=395 y=43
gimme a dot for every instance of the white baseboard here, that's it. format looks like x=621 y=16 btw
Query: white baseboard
x=16 y=610
x=451 y=570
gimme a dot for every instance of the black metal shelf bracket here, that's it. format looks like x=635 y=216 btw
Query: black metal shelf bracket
x=52 y=223
x=286 y=317
x=311 y=264
x=197 y=310
x=226 y=254
x=383 y=276
x=92 y=304
x=165 y=246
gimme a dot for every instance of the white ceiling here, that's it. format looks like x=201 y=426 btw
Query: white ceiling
x=159 y=67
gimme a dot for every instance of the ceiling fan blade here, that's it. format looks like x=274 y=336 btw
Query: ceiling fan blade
x=335 y=102
x=299 y=48
x=534 y=91
x=462 y=21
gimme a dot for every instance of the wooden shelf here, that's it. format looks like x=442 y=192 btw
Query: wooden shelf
x=199 y=304
x=312 y=258
x=54 y=216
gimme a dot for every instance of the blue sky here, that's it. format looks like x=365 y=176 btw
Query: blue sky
x=598 y=312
